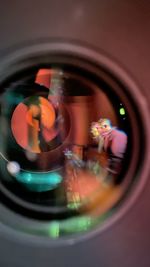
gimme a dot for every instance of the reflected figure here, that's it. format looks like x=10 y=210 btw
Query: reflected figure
x=40 y=118
x=111 y=140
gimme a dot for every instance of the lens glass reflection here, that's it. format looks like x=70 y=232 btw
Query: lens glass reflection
x=64 y=145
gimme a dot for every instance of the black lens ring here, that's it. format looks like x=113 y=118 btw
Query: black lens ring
x=93 y=61
x=42 y=212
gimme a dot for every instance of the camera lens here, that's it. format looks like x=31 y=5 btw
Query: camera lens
x=66 y=144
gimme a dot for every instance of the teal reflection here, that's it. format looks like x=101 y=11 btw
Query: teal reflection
x=39 y=182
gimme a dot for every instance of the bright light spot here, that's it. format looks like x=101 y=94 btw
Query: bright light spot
x=122 y=111
x=13 y=167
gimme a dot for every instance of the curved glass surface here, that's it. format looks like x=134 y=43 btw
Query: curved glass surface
x=64 y=146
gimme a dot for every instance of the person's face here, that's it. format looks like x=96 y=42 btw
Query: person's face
x=103 y=128
x=98 y=129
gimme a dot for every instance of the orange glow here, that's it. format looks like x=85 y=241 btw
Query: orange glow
x=19 y=125
x=27 y=122
x=86 y=188
x=31 y=113
x=43 y=77
x=47 y=113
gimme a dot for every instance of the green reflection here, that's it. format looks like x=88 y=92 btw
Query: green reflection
x=54 y=230
x=71 y=226
x=75 y=225
x=122 y=111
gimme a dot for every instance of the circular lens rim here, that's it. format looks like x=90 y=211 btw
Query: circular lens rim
x=92 y=57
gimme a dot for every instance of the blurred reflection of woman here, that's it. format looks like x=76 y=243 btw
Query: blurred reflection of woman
x=40 y=118
x=110 y=140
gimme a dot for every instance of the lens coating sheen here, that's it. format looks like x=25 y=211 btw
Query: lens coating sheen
x=65 y=147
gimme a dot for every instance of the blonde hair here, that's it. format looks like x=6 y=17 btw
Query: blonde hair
x=104 y=121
